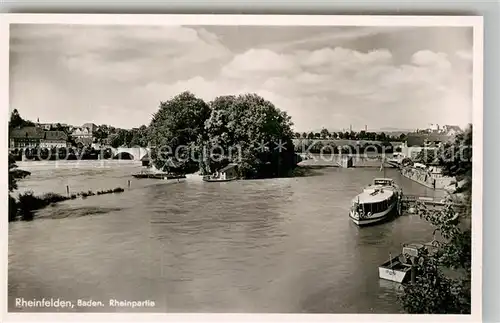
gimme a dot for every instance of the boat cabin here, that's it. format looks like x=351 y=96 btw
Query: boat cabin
x=228 y=172
x=378 y=197
x=383 y=181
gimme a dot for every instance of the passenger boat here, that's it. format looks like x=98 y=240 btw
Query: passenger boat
x=398 y=269
x=378 y=202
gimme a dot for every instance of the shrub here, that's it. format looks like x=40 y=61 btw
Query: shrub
x=12 y=209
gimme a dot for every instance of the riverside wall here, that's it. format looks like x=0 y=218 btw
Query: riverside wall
x=423 y=177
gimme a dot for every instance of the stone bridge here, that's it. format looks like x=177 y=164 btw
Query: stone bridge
x=135 y=153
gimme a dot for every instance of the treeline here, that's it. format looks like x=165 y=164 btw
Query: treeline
x=352 y=135
x=117 y=137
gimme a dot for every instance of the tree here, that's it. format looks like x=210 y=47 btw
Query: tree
x=139 y=137
x=17 y=121
x=14 y=175
x=304 y=135
x=101 y=133
x=433 y=291
x=324 y=133
x=251 y=131
x=428 y=156
x=310 y=135
x=175 y=130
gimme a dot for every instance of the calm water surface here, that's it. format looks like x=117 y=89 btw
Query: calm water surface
x=279 y=245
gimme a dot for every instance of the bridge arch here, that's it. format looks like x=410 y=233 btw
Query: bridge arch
x=124 y=155
x=137 y=153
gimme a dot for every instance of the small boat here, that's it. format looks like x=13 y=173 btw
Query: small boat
x=398 y=268
x=377 y=203
x=211 y=178
x=394 y=270
x=158 y=175
x=226 y=174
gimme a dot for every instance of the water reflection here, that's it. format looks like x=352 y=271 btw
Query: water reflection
x=282 y=245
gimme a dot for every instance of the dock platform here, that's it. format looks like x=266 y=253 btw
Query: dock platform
x=408 y=200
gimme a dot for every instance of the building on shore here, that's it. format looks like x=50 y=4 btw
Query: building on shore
x=84 y=135
x=54 y=139
x=416 y=142
x=33 y=137
x=26 y=137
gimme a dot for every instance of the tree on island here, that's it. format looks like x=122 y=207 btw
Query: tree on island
x=174 y=131
x=434 y=291
x=252 y=132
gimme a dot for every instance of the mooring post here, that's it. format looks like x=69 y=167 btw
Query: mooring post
x=413 y=270
x=67 y=190
x=129 y=184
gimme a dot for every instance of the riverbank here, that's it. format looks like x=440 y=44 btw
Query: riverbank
x=335 y=161
x=423 y=177
x=27 y=203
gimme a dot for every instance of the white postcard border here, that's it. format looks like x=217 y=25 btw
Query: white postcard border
x=269 y=20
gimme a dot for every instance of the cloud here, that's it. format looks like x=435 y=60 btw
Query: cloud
x=430 y=58
x=130 y=70
x=332 y=79
x=121 y=53
x=337 y=36
x=464 y=54
x=259 y=61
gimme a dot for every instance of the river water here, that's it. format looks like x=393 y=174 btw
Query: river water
x=279 y=245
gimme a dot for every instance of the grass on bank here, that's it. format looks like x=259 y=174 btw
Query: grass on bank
x=23 y=208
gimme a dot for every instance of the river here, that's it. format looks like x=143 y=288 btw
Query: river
x=278 y=245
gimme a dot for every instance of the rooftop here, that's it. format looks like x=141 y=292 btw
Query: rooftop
x=419 y=139
x=373 y=195
x=27 y=132
x=228 y=167
x=56 y=135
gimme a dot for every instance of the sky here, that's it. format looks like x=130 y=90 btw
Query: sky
x=332 y=77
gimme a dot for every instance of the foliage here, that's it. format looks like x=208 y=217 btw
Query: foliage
x=12 y=209
x=14 y=175
x=17 y=121
x=427 y=156
x=251 y=131
x=139 y=137
x=324 y=134
x=174 y=131
x=434 y=292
